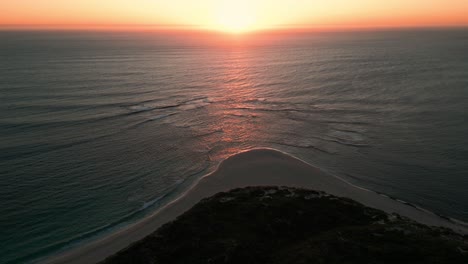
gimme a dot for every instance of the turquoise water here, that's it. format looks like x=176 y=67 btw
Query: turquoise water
x=100 y=128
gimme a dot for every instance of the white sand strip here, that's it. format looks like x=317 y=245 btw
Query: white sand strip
x=259 y=167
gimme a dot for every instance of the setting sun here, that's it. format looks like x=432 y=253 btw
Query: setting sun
x=235 y=17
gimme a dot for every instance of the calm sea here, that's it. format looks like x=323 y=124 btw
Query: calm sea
x=98 y=129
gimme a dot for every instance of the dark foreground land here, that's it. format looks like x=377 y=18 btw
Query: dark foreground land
x=288 y=225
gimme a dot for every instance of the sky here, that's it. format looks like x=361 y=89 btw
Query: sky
x=232 y=15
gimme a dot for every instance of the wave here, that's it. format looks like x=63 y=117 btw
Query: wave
x=309 y=110
x=25 y=151
x=151 y=119
x=133 y=110
x=208 y=133
x=307 y=146
x=153 y=202
x=116 y=225
x=142 y=106
x=328 y=138
x=348 y=143
x=10 y=153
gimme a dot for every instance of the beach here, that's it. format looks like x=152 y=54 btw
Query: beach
x=257 y=167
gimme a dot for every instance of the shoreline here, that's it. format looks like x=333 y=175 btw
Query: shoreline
x=256 y=167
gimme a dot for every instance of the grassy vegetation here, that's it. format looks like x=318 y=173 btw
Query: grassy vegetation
x=287 y=225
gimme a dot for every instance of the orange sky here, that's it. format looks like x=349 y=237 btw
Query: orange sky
x=232 y=15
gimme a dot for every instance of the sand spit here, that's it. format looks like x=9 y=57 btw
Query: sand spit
x=258 y=167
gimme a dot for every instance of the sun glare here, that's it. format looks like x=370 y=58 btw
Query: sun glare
x=235 y=16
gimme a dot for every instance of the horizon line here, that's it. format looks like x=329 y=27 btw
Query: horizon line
x=183 y=27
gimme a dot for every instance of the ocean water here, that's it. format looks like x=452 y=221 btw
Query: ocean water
x=98 y=129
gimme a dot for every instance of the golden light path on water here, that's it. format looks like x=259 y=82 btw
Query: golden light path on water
x=238 y=87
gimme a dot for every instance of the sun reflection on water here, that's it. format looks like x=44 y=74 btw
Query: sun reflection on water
x=240 y=127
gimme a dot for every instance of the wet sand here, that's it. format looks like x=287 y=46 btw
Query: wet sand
x=258 y=167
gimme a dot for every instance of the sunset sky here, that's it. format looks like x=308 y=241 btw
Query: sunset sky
x=231 y=15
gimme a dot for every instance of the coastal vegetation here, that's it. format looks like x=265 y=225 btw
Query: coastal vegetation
x=290 y=225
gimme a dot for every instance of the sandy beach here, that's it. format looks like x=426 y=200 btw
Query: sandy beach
x=258 y=167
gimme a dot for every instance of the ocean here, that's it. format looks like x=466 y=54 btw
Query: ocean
x=99 y=129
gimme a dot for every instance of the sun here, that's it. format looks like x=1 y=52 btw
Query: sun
x=235 y=16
